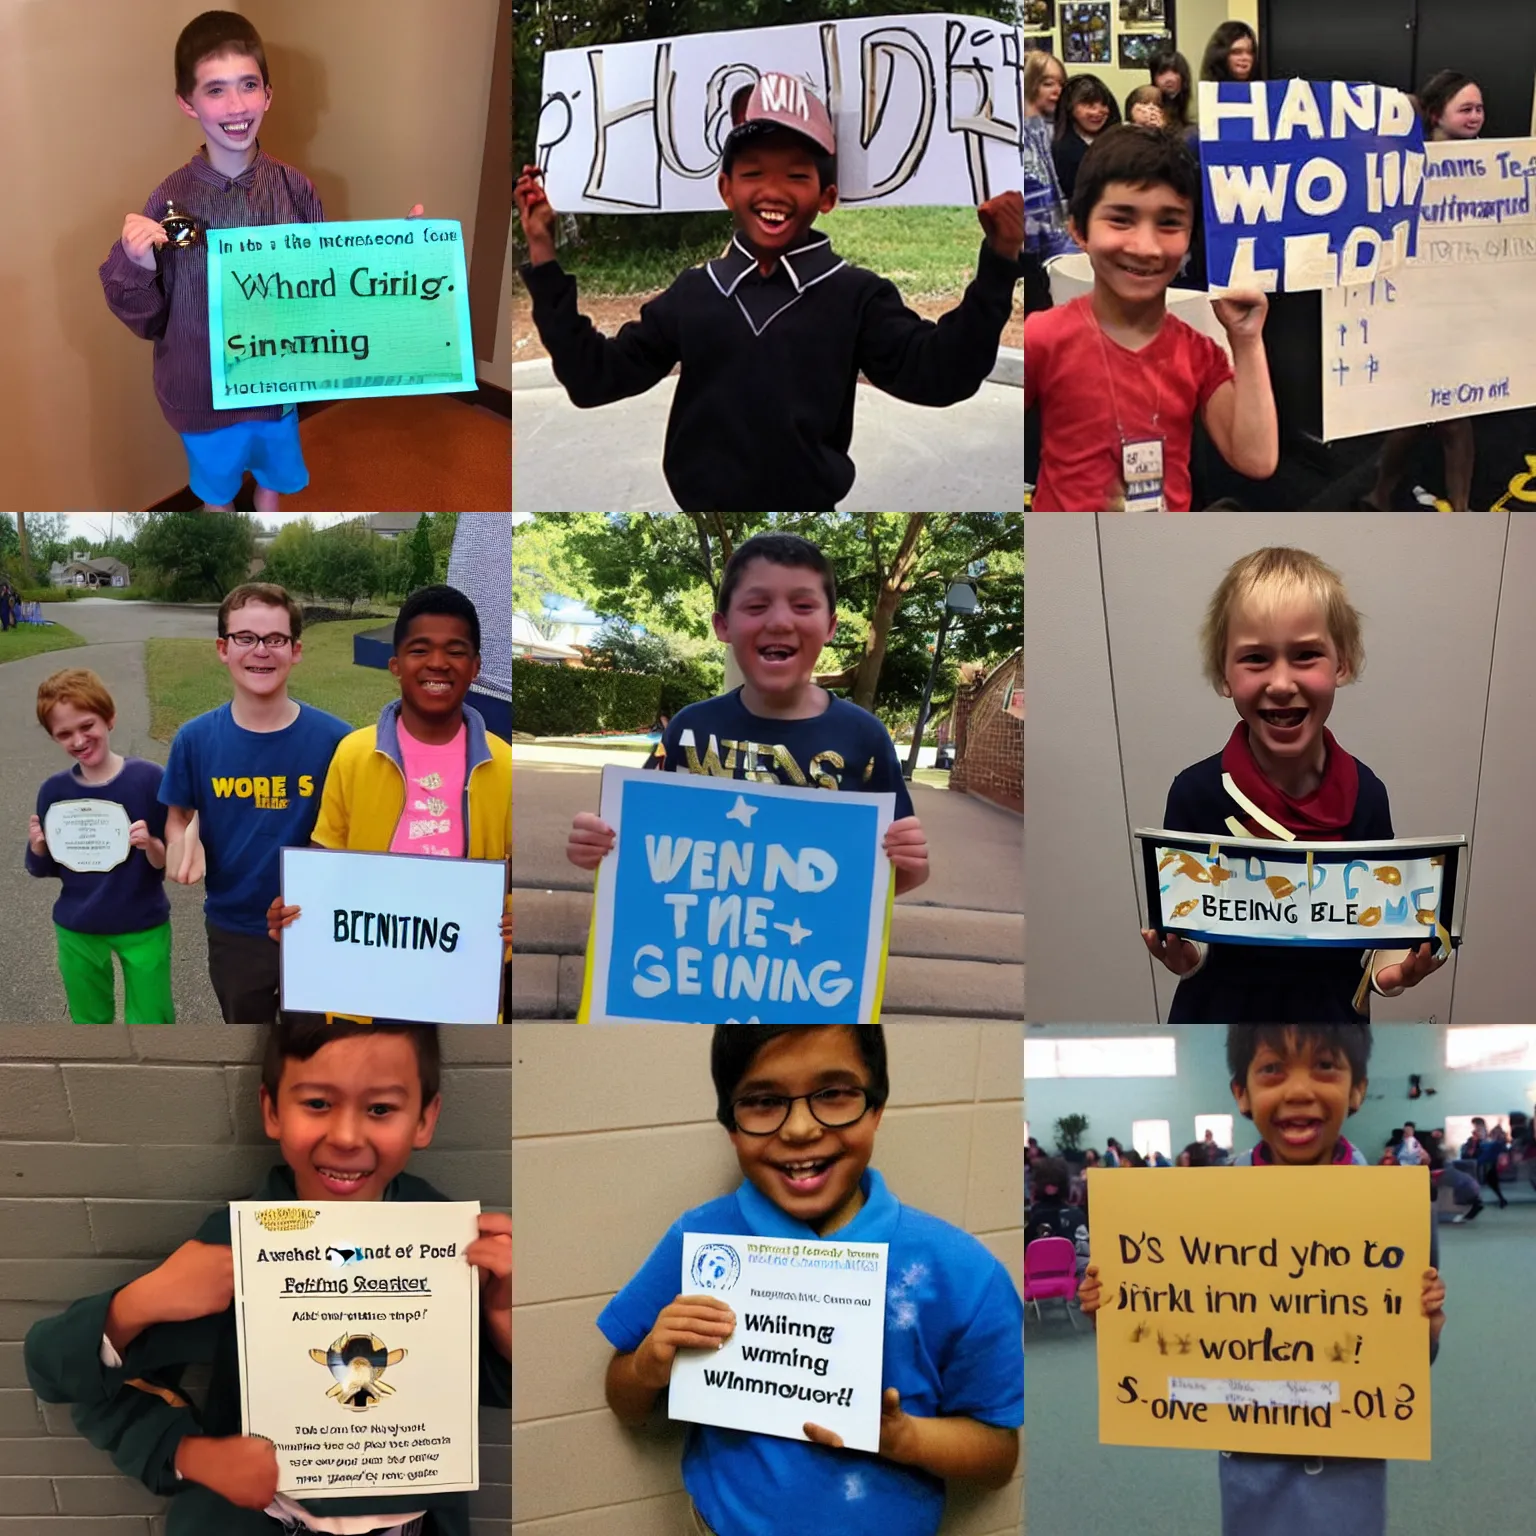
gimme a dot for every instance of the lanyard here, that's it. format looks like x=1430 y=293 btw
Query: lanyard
x=1114 y=399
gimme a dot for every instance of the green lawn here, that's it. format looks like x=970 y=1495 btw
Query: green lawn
x=34 y=639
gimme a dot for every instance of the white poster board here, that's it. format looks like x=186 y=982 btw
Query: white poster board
x=393 y=936
x=1449 y=333
x=809 y=1340
x=359 y=1335
x=925 y=109
x=87 y=836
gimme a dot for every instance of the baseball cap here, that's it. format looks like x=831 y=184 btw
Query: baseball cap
x=781 y=101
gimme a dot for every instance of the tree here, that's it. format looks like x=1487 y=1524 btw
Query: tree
x=188 y=557
x=348 y=564
x=420 y=562
x=540 y=566
x=444 y=526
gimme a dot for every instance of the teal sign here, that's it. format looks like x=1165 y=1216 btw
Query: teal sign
x=334 y=311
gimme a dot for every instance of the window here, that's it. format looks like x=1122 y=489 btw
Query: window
x=1150 y=1137
x=1219 y=1125
x=1101 y=1056
x=1490 y=1047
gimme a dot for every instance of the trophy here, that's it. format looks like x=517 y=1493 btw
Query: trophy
x=181 y=228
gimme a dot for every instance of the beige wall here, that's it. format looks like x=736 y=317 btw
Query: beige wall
x=614 y=1136
x=382 y=103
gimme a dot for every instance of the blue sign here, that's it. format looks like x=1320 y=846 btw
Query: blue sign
x=731 y=902
x=1308 y=184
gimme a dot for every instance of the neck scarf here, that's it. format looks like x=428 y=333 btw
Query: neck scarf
x=1324 y=814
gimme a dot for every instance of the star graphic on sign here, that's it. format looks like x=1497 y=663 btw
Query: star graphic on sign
x=741 y=812
x=794 y=930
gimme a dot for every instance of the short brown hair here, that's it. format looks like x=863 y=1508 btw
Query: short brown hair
x=260 y=592
x=778 y=549
x=75 y=685
x=300 y=1039
x=211 y=36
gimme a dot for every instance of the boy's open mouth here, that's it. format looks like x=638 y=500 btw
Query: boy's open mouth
x=777 y=655
x=237 y=130
x=1298 y=1131
x=340 y=1181
x=806 y=1176
x=773 y=221
x=1283 y=720
x=438 y=687
x=261 y=669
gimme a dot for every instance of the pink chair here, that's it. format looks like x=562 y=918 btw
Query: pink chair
x=1050 y=1273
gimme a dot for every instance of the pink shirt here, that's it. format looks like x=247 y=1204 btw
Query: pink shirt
x=433 y=818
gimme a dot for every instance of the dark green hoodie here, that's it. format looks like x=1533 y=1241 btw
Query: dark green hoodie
x=142 y=1425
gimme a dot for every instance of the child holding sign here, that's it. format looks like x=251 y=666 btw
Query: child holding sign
x=1298 y=1083
x=1280 y=637
x=1118 y=378
x=801 y=1106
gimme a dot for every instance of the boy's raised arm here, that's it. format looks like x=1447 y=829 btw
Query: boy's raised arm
x=1240 y=417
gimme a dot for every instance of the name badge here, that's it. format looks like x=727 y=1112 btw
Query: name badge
x=1141 y=467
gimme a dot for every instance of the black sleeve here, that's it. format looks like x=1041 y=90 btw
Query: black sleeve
x=938 y=362
x=1182 y=811
x=597 y=369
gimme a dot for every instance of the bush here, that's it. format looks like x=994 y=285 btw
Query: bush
x=572 y=701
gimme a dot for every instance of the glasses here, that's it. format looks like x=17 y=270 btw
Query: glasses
x=244 y=640
x=761 y=1114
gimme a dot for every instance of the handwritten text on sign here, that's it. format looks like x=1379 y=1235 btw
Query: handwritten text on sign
x=727 y=902
x=1308 y=184
x=925 y=109
x=1272 y=1310
x=809 y=1339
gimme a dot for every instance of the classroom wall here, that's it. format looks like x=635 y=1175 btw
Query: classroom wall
x=115 y=1144
x=615 y=1137
x=1118 y=706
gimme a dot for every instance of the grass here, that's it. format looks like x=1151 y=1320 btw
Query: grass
x=35 y=639
x=937 y=778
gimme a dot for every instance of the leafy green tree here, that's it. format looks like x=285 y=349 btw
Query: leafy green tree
x=420 y=559
x=291 y=557
x=348 y=563
x=540 y=567
x=444 y=526
x=193 y=557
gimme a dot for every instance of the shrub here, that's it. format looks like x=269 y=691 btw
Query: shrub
x=572 y=701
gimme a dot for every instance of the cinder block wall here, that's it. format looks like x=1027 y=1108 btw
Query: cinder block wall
x=115 y=1143
x=615 y=1136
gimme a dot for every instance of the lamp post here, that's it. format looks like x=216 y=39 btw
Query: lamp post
x=961 y=598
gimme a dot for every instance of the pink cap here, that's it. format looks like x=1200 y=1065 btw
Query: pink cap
x=786 y=102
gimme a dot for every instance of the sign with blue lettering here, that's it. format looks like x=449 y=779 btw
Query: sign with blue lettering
x=731 y=902
x=1308 y=184
x=1254 y=890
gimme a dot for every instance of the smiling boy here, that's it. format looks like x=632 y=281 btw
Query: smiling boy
x=801 y=1105
x=772 y=336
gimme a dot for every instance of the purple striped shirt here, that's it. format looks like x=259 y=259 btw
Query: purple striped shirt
x=170 y=305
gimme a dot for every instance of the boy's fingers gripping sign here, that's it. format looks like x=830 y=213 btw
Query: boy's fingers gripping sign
x=590 y=842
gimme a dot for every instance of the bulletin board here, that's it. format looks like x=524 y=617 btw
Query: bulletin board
x=1099 y=34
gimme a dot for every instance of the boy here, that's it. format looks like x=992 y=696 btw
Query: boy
x=119 y=1357
x=162 y=294
x=801 y=1104
x=772 y=335
x=252 y=771
x=1118 y=378
x=1298 y=1083
x=100 y=913
x=777 y=609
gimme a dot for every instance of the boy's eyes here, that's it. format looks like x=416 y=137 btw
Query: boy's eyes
x=388 y=1109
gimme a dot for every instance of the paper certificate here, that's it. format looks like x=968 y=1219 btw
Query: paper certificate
x=809 y=1339
x=359 y=1335
x=87 y=836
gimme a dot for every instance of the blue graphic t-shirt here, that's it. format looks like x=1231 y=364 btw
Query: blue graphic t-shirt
x=954 y=1344
x=257 y=792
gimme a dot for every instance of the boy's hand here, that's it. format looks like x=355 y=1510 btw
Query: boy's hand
x=491 y=1254
x=1089 y=1296
x=590 y=842
x=1002 y=217
x=190 y=863
x=140 y=236
x=538 y=216
x=1241 y=315
x=279 y=917
x=1432 y=1302
x=35 y=839
x=243 y=1468
x=139 y=836
x=1174 y=950
x=506 y=927
x=906 y=844
x=896 y=1430
x=417 y=211
x=689 y=1322
x=1410 y=971
x=198 y=1280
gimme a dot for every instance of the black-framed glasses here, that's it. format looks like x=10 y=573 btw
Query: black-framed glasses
x=761 y=1114
x=244 y=640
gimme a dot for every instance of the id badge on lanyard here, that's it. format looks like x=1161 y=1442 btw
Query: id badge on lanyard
x=1141 y=470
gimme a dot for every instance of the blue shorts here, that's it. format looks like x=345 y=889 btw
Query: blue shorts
x=269 y=449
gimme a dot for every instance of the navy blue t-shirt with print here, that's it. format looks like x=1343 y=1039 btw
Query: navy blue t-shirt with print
x=843 y=748
x=257 y=792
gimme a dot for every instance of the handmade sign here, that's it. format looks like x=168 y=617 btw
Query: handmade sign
x=1251 y=890
x=1307 y=184
x=393 y=935
x=358 y=1326
x=87 y=836
x=337 y=311
x=730 y=902
x=1418 y=346
x=1284 y=1322
x=925 y=109
x=809 y=1339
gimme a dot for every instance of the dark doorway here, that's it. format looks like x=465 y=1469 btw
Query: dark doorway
x=1329 y=40
x=1494 y=41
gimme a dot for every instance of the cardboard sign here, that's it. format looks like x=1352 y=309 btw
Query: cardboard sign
x=1273 y=1310
x=337 y=311
x=87 y=836
x=1308 y=184
x=925 y=109
x=1250 y=890
x=730 y=902
x=393 y=935
x=809 y=1340
x=359 y=1335
x=1446 y=335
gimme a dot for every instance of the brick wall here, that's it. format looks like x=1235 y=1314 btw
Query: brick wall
x=616 y=1136
x=115 y=1143
x=989 y=742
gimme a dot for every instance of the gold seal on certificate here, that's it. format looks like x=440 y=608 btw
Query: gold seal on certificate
x=87 y=836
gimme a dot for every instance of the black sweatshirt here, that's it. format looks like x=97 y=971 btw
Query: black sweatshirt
x=763 y=413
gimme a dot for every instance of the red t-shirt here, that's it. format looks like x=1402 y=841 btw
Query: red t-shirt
x=1064 y=368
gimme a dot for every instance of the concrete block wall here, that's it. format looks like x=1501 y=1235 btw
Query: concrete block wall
x=614 y=1136
x=115 y=1143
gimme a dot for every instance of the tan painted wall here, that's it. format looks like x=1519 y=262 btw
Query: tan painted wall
x=382 y=103
x=613 y=1136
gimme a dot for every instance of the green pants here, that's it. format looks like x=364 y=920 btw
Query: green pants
x=85 y=963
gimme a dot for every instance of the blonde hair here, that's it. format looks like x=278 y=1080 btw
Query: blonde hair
x=1266 y=579
x=78 y=686
x=1036 y=63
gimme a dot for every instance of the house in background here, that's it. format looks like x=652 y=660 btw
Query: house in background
x=396 y=525
x=81 y=571
x=530 y=645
